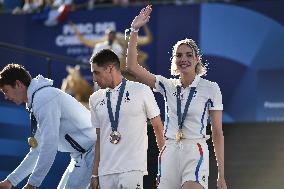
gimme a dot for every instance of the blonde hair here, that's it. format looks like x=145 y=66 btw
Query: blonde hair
x=200 y=68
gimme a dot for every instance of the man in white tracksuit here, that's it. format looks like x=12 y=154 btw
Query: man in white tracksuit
x=58 y=123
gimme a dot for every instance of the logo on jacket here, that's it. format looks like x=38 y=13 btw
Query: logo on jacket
x=102 y=102
x=138 y=186
x=127 y=99
x=194 y=93
x=203 y=178
x=182 y=95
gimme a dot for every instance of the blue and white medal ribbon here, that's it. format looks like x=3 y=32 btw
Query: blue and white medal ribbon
x=181 y=117
x=115 y=135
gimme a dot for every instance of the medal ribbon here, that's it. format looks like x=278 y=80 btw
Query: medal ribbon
x=189 y=98
x=33 y=122
x=114 y=121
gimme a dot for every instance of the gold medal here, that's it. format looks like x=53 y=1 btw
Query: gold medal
x=179 y=135
x=114 y=137
x=32 y=142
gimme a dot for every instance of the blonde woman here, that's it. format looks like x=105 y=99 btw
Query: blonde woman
x=190 y=100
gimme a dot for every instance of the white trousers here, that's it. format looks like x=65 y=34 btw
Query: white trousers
x=126 y=180
x=79 y=171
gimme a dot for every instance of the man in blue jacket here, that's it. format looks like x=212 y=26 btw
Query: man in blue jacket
x=58 y=123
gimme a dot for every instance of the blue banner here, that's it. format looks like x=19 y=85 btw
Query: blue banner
x=241 y=43
x=237 y=41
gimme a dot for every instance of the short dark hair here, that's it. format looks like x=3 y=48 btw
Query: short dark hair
x=104 y=58
x=13 y=72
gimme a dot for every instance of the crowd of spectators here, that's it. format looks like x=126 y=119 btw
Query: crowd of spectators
x=32 y=6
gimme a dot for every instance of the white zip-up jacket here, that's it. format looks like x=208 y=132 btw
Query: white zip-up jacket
x=57 y=114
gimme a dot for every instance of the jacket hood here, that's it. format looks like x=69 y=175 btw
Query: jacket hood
x=36 y=84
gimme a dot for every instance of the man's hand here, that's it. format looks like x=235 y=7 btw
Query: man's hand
x=94 y=183
x=221 y=183
x=5 y=184
x=28 y=186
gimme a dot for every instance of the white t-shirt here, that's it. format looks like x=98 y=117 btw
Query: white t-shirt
x=207 y=97
x=117 y=49
x=138 y=104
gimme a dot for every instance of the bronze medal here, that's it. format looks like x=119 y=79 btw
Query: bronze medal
x=114 y=137
x=179 y=135
x=32 y=142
